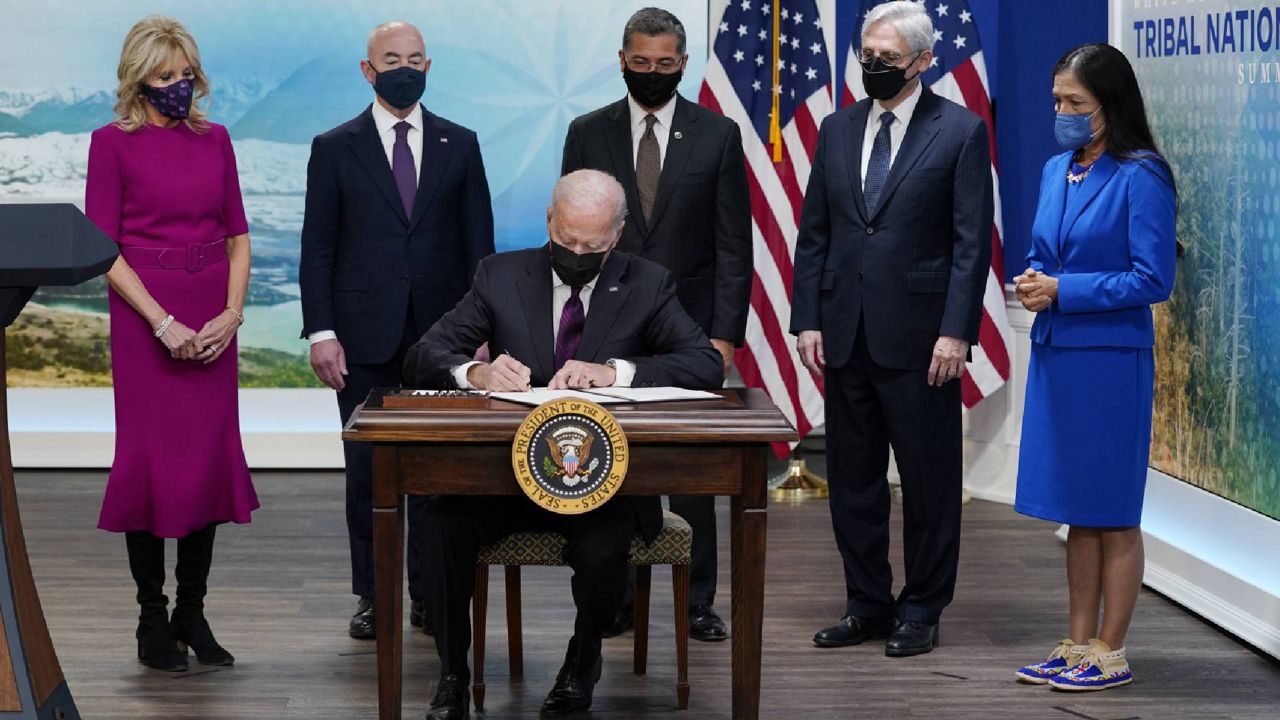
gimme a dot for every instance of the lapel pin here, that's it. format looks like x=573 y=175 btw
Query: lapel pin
x=613 y=288
x=444 y=140
x=679 y=135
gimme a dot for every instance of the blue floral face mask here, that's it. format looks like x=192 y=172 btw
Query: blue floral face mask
x=1074 y=131
x=173 y=101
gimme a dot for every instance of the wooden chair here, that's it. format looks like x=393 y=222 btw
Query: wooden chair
x=673 y=547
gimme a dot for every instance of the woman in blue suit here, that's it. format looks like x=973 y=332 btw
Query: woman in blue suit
x=1103 y=252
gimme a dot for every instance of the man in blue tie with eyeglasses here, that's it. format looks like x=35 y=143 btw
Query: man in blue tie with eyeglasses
x=891 y=263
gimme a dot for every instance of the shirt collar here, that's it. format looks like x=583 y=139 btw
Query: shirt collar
x=557 y=283
x=665 y=115
x=902 y=114
x=385 y=122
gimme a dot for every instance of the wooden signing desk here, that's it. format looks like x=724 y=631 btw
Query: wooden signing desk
x=463 y=447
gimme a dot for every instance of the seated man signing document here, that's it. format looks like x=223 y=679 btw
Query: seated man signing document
x=574 y=313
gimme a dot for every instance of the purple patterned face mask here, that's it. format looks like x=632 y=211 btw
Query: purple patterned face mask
x=173 y=101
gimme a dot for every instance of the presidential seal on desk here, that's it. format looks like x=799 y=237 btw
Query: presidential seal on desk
x=570 y=456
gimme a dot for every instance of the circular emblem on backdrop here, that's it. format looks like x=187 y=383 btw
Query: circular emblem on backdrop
x=570 y=456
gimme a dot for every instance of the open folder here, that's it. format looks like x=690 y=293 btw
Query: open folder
x=606 y=396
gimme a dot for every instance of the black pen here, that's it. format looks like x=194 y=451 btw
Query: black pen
x=507 y=352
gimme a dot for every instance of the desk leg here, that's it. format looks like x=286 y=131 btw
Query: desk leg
x=748 y=516
x=388 y=577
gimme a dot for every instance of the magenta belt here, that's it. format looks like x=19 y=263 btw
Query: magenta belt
x=192 y=258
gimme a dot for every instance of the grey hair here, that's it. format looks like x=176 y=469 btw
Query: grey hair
x=654 y=21
x=910 y=19
x=590 y=190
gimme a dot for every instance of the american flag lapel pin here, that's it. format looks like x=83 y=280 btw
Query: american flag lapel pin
x=613 y=288
x=444 y=139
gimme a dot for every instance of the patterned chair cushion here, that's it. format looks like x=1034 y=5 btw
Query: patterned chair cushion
x=673 y=546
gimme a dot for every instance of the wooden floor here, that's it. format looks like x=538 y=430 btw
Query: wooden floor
x=280 y=602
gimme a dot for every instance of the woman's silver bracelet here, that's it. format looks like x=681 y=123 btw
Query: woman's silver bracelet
x=164 y=325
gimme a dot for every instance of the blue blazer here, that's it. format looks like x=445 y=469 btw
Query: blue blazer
x=363 y=259
x=1111 y=245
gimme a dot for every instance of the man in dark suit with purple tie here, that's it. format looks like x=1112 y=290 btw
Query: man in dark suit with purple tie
x=397 y=219
x=574 y=313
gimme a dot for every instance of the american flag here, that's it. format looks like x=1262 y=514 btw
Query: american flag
x=750 y=59
x=959 y=74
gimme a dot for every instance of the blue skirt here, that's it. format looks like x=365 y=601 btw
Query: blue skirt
x=1086 y=435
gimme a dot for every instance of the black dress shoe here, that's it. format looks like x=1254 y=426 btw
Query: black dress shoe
x=912 y=638
x=622 y=622
x=452 y=700
x=362 y=625
x=418 y=616
x=852 y=630
x=706 y=625
x=195 y=633
x=573 y=690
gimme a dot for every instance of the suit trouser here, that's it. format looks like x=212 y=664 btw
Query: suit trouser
x=359 y=461
x=868 y=409
x=456 y=528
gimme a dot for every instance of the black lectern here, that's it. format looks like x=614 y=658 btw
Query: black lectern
x=39 y=245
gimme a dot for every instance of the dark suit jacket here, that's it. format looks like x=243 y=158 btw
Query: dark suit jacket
x=700 y=228
x=362 y=259
x=633 y=315
x=916 y=269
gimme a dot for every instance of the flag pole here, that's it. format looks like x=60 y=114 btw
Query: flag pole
x=775 y=117
x=798 y=484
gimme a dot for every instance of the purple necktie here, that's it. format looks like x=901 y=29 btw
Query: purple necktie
x=402 y=167
x=571 y=321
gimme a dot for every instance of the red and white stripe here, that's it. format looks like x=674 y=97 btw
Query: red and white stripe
x=967 y=85
x=769 y=359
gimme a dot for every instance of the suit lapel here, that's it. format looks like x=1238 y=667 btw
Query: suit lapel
x=607 y=300
x=853 y=132
x=682 y=139
x=920 y=133
x=624 y=162
x=1104 y=168
x=535 y=297
x=1056 y=204
x=435 y=160
x=367 y=147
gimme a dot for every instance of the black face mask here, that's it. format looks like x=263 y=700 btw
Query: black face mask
x=883 y=81
x=574 y=269
x=401 y=87
x=651 y=89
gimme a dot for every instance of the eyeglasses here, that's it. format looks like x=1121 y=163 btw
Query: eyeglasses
x=889 y=58
x=666 y=66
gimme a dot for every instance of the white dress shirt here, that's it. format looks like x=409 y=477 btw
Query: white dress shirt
x=385 y=123
x=624 y=370
x=897 y=131
x=661 y=128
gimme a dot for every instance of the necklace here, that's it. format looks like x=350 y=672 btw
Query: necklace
x=1077 y=174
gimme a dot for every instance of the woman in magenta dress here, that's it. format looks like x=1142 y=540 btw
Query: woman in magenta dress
x=162 y=183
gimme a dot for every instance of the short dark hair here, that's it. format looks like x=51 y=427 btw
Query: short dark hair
x=654 y=21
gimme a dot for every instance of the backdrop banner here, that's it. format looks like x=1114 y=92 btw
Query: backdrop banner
x=1210 y=75
x=281 y=73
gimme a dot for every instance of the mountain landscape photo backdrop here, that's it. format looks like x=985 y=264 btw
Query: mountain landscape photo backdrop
x=281 y=73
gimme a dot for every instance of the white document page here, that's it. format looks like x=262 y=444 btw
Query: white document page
x=537 y=396
x=654 y=394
